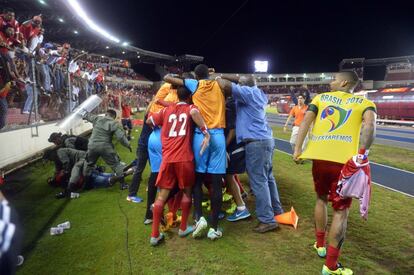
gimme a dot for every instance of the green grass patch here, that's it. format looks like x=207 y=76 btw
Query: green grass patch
x=96 y=243
x=271 y=110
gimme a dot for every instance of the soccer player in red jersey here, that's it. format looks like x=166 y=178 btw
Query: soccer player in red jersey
x=177 y=166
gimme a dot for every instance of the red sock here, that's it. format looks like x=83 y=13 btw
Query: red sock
x=320 y=238
x=332 y=256
x=156 y=217
x=185 y=211
x=176 y=205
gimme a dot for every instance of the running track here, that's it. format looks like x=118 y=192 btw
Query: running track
x=388 y=177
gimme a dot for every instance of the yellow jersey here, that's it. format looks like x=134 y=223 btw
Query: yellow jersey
x=209 y=99
x=337 y=126
x=164 y=93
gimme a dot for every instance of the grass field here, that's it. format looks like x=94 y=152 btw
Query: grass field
x=102 y=219
x=271 y=110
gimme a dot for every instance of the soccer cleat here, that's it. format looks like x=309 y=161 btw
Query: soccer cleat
x=206 y=204
x=321 y=251
x=213 y=234
x=186 y=232
x=200 y=226
x=134 y=199
x=232 y=208
x=340 y=270
x=227 y=197
x=20 y=260
x=239 y=215
x=156 y=241
x=147 y=221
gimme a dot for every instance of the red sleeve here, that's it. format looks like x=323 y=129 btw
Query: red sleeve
x=157 y=118
x=191 y=107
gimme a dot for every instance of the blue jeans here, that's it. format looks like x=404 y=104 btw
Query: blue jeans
x=100 y=180
x=29 y=100
x=59 y=81
x=259 y=156
x=46 y=75
x=3 y=111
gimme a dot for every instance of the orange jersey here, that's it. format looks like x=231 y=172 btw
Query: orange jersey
x=209 y=99
x=298 y=113
x=163 y=94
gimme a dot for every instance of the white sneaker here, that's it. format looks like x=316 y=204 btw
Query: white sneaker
x=147 y=221
x=213 y=234
x=200 y=226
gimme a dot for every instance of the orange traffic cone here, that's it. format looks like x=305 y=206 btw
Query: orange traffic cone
x=288 y=218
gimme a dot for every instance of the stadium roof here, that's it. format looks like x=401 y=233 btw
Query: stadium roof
x=378 y=61
x=62 y=25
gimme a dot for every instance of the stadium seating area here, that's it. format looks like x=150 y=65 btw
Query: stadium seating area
x=280 y=90
x=27 y=62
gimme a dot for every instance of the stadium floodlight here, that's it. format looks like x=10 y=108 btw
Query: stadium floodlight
x=304 y=75
x=42 y=2
x=102 y=56
x=125 y=44
x=61 y=20
x=75 y=32
x=261 y=66
x=89 y=22
x=286 y=75
x=107 y=47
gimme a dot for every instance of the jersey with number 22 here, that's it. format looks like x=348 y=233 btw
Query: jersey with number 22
x=176 y=132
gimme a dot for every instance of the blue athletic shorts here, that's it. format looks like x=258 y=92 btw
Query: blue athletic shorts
x=155 y=150
x=213 y=160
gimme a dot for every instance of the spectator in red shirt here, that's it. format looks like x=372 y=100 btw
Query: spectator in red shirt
x=7 y=40
x=31 y=28
x=7 y=43
x=7 y=18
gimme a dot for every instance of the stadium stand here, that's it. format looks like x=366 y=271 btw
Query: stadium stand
x=39 y=81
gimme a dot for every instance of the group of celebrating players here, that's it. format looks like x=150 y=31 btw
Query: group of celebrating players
x=207 y=131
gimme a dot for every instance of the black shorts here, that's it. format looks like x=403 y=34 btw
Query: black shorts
x=126 y=123
x=237 y=162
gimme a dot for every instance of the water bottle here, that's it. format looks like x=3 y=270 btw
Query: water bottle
x=56 y=231
x=65 y=225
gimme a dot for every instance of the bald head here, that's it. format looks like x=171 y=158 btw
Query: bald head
x=345 y=81
x=247 y=81
x=348 y=76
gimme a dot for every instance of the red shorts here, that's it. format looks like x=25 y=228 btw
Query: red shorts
x=325 y=178
x=172 y=173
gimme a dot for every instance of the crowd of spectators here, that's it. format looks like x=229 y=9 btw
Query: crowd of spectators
x=279 y=90
x=27 y=61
